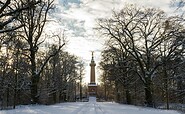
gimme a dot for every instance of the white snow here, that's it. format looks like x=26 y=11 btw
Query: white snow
x=91 y=107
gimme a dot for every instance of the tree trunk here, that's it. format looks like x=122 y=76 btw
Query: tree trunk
x=166 y=87
x=7 y=96
x=80 y=87
x=57 y=96
x=105 y=90
x=15 y=93
x=166 y=81
x=16 y=78
x=128 y=97
x=34 y=87
x=34 y=78
x=118 y=93
x=180 y=88
x=148 y=92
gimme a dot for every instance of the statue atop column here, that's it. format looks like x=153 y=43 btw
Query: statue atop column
x=92 y=54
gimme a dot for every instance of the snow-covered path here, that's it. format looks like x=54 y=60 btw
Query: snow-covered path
x=91 y=107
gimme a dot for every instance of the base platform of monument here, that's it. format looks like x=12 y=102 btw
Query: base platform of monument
x=92 y=89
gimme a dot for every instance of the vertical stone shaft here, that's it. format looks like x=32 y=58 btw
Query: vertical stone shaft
x=92 y=75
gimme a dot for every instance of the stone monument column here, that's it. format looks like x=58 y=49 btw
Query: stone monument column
x=92 y=75
x=92 y=87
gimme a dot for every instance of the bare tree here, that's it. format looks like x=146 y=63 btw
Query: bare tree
x=34 y=20
x=81 y=74
x=140 y=32
x=9 y=12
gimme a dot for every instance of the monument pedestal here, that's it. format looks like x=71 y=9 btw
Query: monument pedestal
x=92 y=89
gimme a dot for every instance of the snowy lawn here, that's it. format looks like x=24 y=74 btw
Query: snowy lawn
x=91 y=107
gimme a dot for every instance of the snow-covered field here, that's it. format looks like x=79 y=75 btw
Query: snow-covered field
x=91 y=107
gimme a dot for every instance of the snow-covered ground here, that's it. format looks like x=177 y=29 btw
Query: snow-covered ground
x=91 y=107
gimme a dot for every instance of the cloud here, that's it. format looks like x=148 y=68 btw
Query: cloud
x=78 y=18
x=68 y=3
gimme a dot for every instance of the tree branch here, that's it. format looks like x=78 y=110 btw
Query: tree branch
x=46 y=61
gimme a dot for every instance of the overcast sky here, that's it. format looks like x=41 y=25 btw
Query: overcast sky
x=79 y=17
